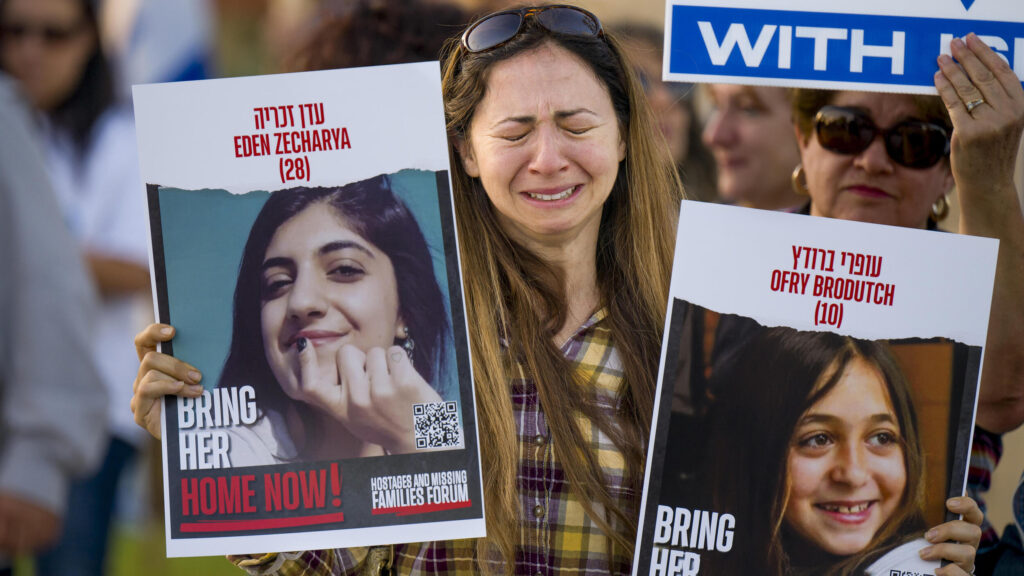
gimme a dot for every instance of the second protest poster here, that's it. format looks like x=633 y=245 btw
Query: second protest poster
x=304 y=249
x=816 y=395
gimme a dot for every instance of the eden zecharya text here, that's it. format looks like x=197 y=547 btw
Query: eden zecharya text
x=681 y=528
x=203 y=449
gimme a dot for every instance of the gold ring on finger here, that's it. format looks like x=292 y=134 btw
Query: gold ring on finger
x=974 y=104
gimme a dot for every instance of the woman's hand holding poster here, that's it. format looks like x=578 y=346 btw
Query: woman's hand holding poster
x=304 y=250
x=816 y=395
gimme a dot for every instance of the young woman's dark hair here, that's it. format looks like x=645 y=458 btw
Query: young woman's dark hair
x=77 y=114
x=371 y=209
x=776 y=378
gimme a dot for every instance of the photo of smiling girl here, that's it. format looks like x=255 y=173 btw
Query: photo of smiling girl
x=339 y=325
x=827 y=425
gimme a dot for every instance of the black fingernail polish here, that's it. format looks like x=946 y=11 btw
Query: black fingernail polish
x=301 y=344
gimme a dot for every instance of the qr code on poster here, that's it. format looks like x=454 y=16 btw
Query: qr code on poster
x=436 y=425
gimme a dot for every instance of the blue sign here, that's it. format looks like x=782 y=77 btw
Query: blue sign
x=822 y=49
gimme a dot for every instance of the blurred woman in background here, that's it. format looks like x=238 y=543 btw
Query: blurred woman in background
x=674 y=108
x=52 y=48
x=750 y=136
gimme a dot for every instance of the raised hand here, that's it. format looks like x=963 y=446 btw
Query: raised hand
x=986 y=104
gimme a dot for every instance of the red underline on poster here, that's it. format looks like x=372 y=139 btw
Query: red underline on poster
x=261 y=524
x=422 y=509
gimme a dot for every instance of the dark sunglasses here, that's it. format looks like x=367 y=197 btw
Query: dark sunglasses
x=911 y=143
x=495 y=29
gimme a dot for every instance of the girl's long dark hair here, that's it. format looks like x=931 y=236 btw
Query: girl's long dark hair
x=372 y=210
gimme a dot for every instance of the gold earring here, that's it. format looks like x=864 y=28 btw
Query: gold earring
x=799 y=180
x=940 y=209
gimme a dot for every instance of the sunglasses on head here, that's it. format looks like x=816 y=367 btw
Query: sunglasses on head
x=911 y=143
x=495 y=29
x=49 y=33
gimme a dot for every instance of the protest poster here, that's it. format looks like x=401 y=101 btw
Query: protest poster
x=304 y=249
x=816 y=394
x=871 y=45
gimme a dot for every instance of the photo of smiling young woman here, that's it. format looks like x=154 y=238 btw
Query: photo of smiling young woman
x=339 y=319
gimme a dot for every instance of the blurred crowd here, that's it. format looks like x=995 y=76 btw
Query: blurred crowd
x=73 y=220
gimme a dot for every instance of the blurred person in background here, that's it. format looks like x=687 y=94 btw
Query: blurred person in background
x=53 y=409
x=158 y=40
x=346 y=34
x=998 y=556
x=751 y=136
x=52 y=49
x=674 y=111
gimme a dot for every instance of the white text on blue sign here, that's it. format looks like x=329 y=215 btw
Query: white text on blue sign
x=788 y=48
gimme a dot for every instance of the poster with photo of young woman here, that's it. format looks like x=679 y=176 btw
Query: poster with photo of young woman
x=304 y=252
x=816 y=395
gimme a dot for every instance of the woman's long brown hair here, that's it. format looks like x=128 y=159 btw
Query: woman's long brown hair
x=514 y=295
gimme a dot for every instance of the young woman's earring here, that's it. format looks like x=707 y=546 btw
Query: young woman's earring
x=408 y=344
x=799 y=180
x=940 y=209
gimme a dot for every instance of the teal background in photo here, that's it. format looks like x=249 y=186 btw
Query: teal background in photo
x=204 y=234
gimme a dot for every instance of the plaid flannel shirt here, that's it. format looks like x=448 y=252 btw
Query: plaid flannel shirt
x=556 y=536
x=986 y=449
